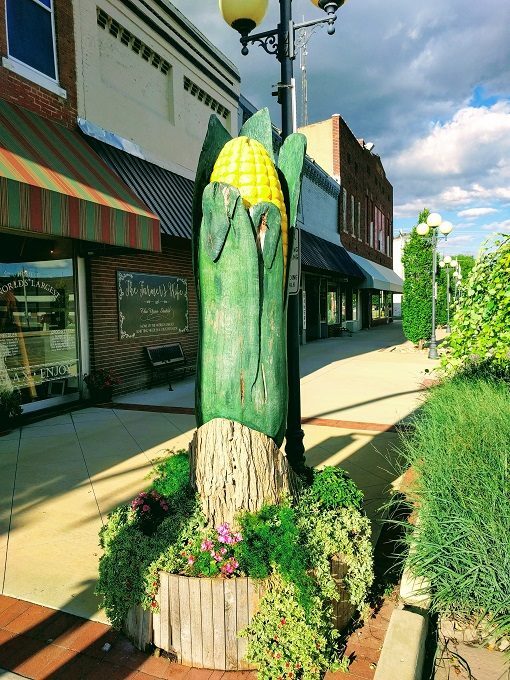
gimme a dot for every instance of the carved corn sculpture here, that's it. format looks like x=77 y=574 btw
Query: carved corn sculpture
x=243 y=218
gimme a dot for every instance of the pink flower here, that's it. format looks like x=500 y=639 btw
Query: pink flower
x=217 y=557
x=191 y=560
x=145 y=508
x=223 y=550
x=207 y=545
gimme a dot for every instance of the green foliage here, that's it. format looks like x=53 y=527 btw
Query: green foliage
x=271 y=540
x=292 y=635
x=332 y=488
x=10 y=403
x=417 y=294
x=460 y=451
x=128 y=567
x=481 y=325
x=287 y=639
x=172 y=476
x=467 y=262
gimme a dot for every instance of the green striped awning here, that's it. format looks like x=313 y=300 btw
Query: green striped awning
x=52 y=182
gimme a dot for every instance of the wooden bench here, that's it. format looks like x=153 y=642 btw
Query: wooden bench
x=169 y=359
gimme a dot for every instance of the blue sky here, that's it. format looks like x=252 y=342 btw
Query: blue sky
x=428 y=83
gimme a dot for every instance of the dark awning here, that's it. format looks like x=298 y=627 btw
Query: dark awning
x=378 y=277
x=52 y=183
x=168 y=195
x=317 y=253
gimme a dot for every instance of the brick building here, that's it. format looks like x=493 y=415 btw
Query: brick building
x=39 y=73
x=365 y=211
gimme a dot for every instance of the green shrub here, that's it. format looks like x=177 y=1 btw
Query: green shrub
x=480 y=337
x=10 y=403
x=417 y=292
x=292 y=634
x=129 y=565
x=289 y=544
x=460 y=450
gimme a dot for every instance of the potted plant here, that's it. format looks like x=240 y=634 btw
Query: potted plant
x=100 y=383
x=10 y=406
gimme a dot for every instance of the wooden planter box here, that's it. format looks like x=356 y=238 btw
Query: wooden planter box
x=200 y=618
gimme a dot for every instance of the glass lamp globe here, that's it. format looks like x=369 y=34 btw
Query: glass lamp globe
x=243 y=15
x=442 y=264
x=434 y=220
x=454 y=263
x=447 y=259
x=422 y=229
x=445 y=227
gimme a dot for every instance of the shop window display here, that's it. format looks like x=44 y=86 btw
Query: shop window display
x=38 y=335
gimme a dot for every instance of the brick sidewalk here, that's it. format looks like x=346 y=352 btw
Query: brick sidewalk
x=41 y=643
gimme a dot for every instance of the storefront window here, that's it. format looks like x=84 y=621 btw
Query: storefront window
x=38 y=337
x=332 y=305
x=355 y=305
x=376 y=305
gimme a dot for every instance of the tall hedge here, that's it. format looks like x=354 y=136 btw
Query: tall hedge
x=481 y=325
x=417 y=295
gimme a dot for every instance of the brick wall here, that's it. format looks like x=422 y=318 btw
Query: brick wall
x=127 y=357
x=18 y=90
x=362 y=175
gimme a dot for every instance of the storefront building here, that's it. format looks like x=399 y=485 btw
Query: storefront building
x=148 y=82
x=365 y=214
x=376 y=291
x=57 y=200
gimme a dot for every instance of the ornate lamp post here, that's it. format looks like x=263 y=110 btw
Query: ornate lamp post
x=447 y=264
x=457 y=275
x=434 y=222
x=244 y=16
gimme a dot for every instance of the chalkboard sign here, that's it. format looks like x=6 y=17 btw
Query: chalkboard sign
x=151 y=304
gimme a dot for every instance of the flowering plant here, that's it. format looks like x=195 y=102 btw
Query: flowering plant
x=150 y=508
x=101 y=378
x=213 y=553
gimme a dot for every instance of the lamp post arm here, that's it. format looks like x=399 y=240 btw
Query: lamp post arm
x=269 y=40
x=314 y=22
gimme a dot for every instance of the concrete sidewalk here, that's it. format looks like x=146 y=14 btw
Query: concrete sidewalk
x=60 y=477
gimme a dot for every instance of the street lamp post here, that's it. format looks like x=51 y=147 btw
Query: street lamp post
x=457 y=275
x=447 y=263
x=434 y=222
x=244 y=16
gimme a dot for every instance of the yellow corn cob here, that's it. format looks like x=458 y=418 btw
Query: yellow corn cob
x=245 y=164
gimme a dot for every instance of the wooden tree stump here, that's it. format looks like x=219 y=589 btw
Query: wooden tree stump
x=234 y=468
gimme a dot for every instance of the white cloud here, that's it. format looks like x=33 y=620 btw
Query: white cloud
x=474 y=139
x=464 y=238
x=502 y=227
x=473 y=213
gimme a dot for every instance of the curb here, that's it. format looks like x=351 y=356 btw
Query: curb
x=403 y=652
